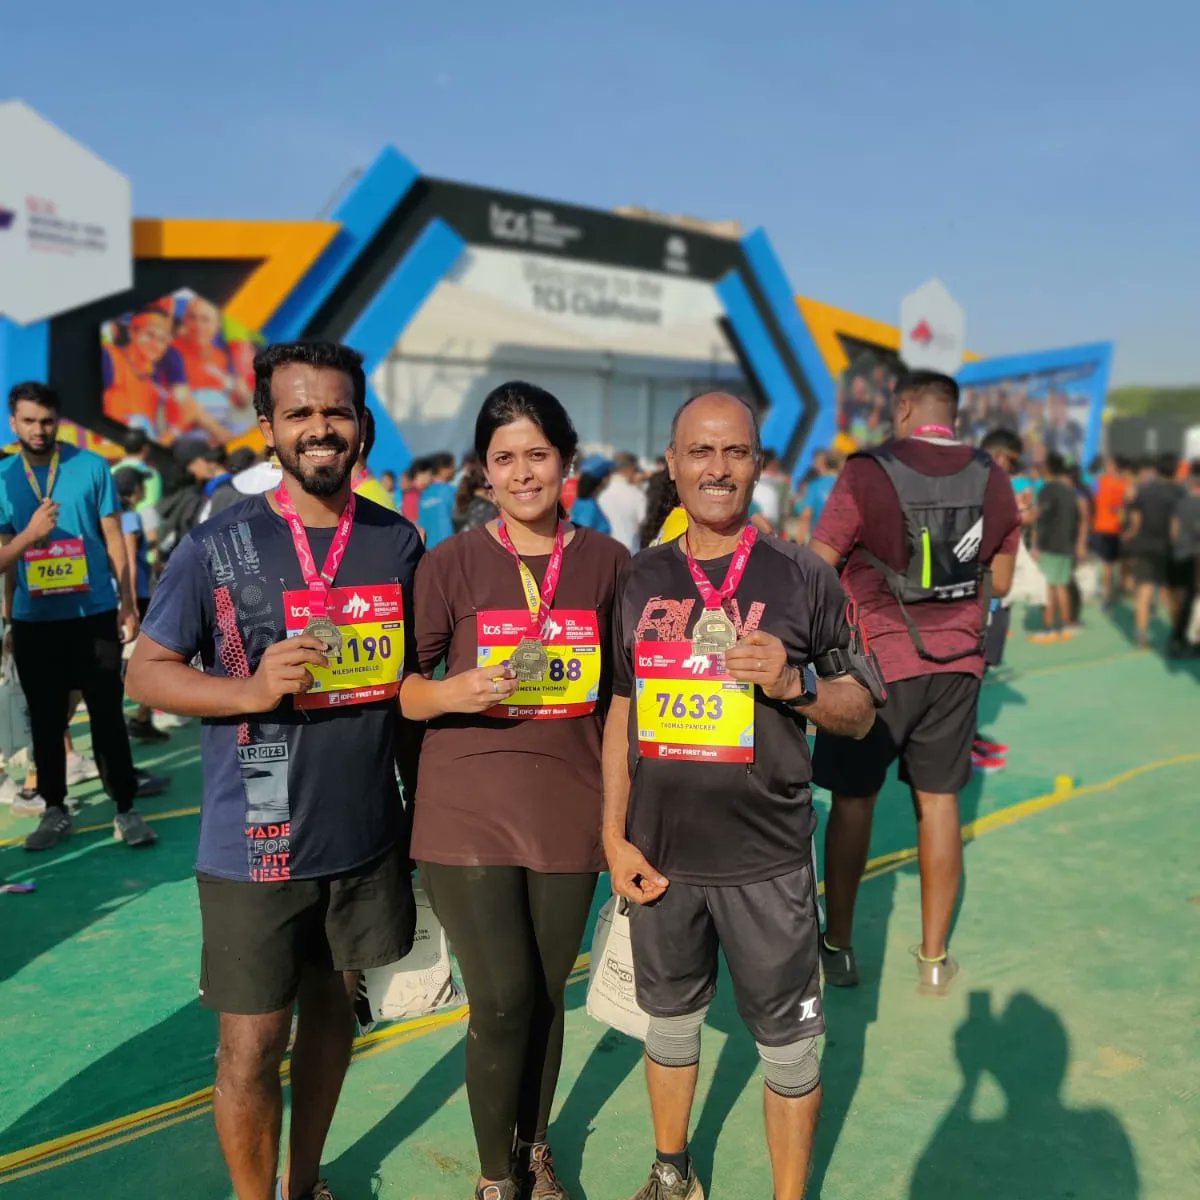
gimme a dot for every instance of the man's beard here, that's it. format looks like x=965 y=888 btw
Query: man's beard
x=321 y=481
x=34 y=450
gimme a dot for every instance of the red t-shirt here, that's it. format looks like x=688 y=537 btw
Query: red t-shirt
x=863 y=510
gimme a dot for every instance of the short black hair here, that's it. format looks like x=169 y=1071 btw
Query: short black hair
x=128 y=480
x=1003 y=439
x=720 y=392
x=938 y=386
x=241 y=459
x=1167 y=464
x=135 y=441
x=39 y=393
x=1056 y=464
x=328 y=356
x=441 y=460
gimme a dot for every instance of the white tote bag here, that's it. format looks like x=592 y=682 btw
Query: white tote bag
x=420 y=982
x=14 y=712
x=611 y=997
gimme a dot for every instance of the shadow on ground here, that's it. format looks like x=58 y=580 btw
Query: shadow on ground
x=1037 y=1148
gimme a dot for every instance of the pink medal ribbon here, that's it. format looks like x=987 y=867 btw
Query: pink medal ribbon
x=537 y=600
x=712 y=598
x=319 y=582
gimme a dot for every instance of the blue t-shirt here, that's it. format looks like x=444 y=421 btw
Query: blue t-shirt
x=588 y=513
x=85 y=492
x=816 y=493
x=131 y=522
x=299 y=794
x=436 y=513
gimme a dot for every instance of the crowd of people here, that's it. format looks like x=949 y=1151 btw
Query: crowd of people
x=517 y=671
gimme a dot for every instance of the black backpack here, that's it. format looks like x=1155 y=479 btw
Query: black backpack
x=943 y=526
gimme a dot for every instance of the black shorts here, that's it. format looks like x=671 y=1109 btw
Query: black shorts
x=995 y=636
x=259 y=938
x=1151 y=568
x=1107 y=547
x=770 y=937
x=929 y=723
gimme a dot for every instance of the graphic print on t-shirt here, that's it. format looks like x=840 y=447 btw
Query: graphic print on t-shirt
x=244 y=615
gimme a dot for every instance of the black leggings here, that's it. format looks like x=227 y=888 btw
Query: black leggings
x=516 y=934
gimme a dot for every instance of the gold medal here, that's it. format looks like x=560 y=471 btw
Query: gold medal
x=530 y=662
x=326 y=632
x=714 y=633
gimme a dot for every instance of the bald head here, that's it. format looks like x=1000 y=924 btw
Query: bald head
x=704 y=404
x=714 y=458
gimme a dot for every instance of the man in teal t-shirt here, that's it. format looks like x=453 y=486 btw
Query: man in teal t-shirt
x=72 y=606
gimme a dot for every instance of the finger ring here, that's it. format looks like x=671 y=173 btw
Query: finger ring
x=495 y=686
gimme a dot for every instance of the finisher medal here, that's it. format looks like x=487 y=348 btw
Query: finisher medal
x=325 y=631
x=714 y=633
x=530 y=662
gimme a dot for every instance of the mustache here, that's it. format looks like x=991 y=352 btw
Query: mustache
x=332 y=442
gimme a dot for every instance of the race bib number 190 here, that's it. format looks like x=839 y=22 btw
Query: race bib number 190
x=688 y=709
x=369 y=662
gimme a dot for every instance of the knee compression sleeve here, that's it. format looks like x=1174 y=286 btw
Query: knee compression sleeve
x=675 y=1041
x=791 y=1070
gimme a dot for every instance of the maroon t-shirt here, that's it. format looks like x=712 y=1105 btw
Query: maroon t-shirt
x=864 y=510
x=494 y=791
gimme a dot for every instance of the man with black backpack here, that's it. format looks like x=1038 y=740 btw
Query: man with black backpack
x=925 y=529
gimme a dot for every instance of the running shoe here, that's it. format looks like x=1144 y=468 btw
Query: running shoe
x=166 y=720
x=28 y=803
x=987 y=764
x=320 y=1191
x=665 y=1183
x=840 y=965
x=1046 y=635
x=146 y=731
x=507 y=1190
x=54 y=827
x=536 y=1164
x=987 y=746
x=9 y=790
x=151 y=785
x=935 y=978
x=131 y=828
x=80 y=769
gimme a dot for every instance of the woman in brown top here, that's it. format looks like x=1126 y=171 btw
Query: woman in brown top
x=507 y=816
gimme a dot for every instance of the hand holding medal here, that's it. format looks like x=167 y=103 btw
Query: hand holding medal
x=761 y=658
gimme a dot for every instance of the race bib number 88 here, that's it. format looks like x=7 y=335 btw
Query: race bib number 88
x=689 y=710
x=570 y=685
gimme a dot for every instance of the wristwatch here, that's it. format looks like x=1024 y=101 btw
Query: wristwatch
x=808 y=682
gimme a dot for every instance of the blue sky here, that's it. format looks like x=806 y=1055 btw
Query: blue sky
x=1042 y=158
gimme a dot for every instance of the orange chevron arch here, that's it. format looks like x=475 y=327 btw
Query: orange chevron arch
x=828 y=324
x=285 y=251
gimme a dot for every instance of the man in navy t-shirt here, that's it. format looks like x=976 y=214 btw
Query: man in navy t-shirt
x=297 y=604
x=72 y=606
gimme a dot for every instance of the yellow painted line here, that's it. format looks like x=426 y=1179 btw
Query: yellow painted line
x=106 y=826
x=45 y=1156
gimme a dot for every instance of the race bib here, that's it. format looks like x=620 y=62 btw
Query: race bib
x=570 y=685
x=368 y=660
x=688 y=709
x=57 y=568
